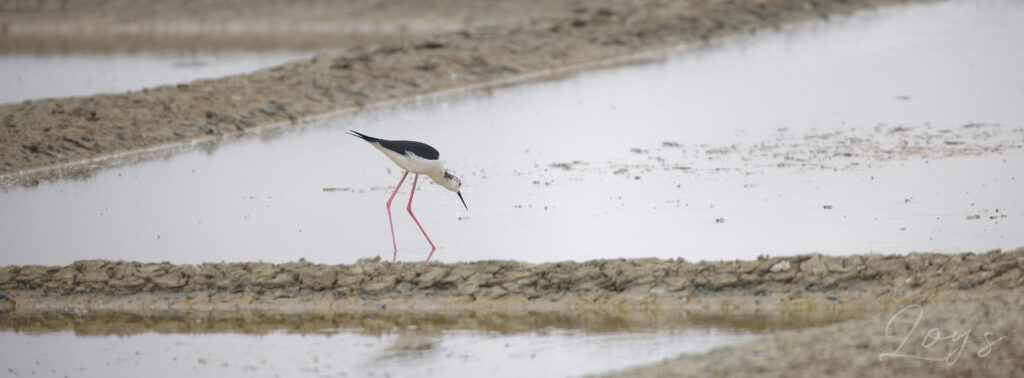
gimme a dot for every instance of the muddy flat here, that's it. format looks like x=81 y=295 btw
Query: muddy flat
x=961 y=294
x=782 y=240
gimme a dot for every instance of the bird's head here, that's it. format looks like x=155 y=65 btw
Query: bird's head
x=451 y=182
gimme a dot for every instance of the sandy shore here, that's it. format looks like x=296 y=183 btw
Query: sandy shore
x=54 y=138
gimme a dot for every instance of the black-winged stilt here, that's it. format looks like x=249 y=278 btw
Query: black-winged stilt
x=418 y=158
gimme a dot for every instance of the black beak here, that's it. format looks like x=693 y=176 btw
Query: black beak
x=463 y=201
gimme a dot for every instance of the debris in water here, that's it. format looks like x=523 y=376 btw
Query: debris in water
x=565 y=166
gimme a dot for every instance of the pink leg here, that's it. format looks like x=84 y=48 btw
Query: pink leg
x=390 y=223
x=432 y=247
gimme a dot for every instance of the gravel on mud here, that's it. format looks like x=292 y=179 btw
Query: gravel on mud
x=860 y=281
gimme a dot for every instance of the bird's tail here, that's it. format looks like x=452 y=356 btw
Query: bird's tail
x=362 y=136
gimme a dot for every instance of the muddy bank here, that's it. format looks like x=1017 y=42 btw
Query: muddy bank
x=46 y=133
x=978 y=336
x=779 y=283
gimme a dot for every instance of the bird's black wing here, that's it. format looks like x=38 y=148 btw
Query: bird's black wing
x=403 y=147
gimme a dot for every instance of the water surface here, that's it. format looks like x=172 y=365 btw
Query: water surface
x=32 y=77
x=891 y=131
x=370 y=344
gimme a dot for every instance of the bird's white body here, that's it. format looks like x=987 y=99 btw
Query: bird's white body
x=415 y=164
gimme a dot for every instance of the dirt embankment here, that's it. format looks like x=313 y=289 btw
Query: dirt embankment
x=865 y=281
x=50 y=132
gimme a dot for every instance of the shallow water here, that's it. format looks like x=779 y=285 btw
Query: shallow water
x=32 y=77
x=403 y=345
x=893 y=131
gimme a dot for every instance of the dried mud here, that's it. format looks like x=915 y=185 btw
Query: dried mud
x=780 y=283
x=67 y=137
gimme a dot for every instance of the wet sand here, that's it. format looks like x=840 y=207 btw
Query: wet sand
x=68 y=137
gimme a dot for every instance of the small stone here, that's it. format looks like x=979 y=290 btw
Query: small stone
x=497 y=292
x=151 y=270
x=7 y=274
x=30 y=274
x=269 y=109
x=283 y=279
x=405 y=287
x=781 y=266
x=430 y=45
x=6 y=304
x=368 y=260
x=95 y=276
x=171 y=280
x=380 y=284
x=318 y=278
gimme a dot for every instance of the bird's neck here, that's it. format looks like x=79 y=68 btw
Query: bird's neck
x=437 y=176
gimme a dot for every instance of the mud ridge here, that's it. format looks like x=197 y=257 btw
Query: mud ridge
x=860 y=281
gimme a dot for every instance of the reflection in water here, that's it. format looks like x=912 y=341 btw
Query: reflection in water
x=421 y=323
x=549 y=353
x=376 y=343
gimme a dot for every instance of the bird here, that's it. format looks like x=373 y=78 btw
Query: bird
x=418 y=158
